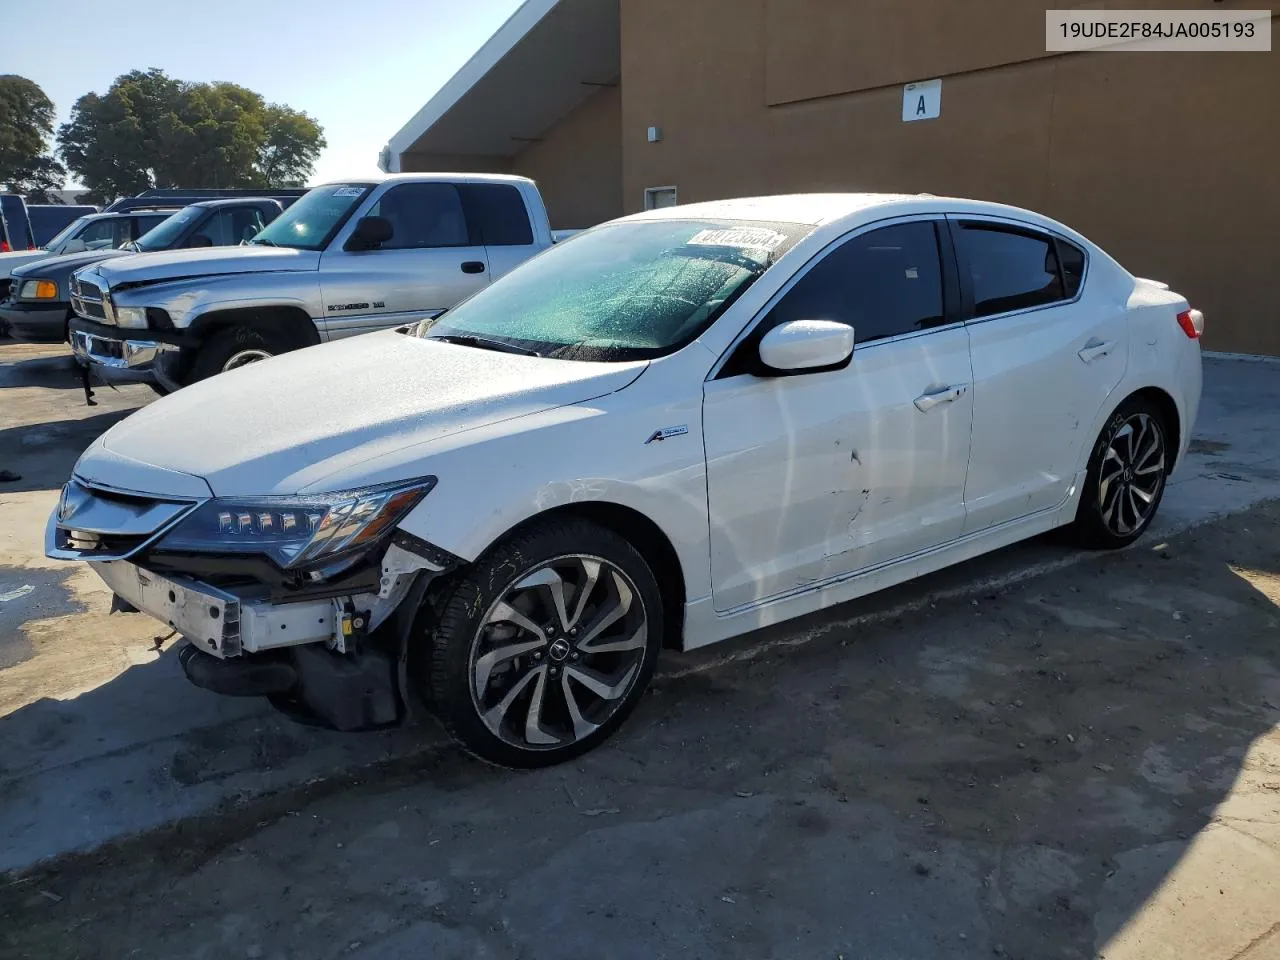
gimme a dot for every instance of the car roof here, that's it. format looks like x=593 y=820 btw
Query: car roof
x=816 y=209
x=231 y=202
x=433 y=175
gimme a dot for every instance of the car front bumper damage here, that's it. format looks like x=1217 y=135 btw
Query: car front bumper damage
x=301 y=653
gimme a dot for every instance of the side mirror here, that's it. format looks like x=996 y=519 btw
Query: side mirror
x=370 y=233
x=74 y=246
x=806 y=346
x=200 y=240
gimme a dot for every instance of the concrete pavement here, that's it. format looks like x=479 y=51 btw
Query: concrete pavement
x=100 y=737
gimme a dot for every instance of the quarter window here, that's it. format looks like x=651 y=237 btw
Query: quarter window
x=1010 y=269
x=883 y=283
x=423 y=215
x=498 y=211
x=1071 y=258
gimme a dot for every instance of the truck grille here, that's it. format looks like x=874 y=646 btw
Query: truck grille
x=87 y=300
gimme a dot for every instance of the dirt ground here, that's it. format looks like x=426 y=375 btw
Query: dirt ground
x=1087 y=764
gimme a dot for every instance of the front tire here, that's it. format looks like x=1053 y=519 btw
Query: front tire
x=545 y=645
x=231 y=348
x=1126 y=477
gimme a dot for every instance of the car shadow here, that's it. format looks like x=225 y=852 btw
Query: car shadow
x=1038 y=759
x=59 y=372
x=42 y=455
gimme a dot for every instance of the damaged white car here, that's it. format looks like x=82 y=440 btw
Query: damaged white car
x=679 y=427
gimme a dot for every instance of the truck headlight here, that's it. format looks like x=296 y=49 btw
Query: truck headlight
x=38 y=290
x=133 y=317
x=298 y=531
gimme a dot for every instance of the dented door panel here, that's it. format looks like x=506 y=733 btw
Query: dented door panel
x=815 y=477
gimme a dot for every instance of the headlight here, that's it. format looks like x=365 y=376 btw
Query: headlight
x=39 y=290
x=298 y=531
x=131 y=317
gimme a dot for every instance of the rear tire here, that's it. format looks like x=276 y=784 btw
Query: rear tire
x=230 y=348
x=1126 y=478
x=545 y=645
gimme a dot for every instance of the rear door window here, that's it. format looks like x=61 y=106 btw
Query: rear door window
x=1010 y=268
x=498 y=213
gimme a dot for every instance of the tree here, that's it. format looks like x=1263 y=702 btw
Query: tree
x=26 y=123
x=149 y=130
x=290 y=150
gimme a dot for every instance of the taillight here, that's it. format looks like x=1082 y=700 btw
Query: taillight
x=4 y=247
x=32 y=246
x=1192 y=323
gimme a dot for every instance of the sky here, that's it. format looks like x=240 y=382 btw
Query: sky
x=361 y=70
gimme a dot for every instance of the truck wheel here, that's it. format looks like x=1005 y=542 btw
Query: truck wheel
x=231 y=348
x=1126 y=478
x=545 y=645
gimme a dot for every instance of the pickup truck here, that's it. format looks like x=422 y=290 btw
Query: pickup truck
x=346 y=258
x=39 y=305
x=94 y=231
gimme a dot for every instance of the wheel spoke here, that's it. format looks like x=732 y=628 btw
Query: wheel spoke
x=591 y=570
x=484 y=666
x=599 y=685
x=1133 y=508
x=533 y=731
x=1148 y=454
x=608 y=616
x=1142 y=495
x=1109 y=505
x=505 y=613
x=494 y=716
x=554 y=584
x=581 y=725
x=636 y=642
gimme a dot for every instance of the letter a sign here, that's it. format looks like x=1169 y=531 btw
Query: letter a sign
x=921 y=101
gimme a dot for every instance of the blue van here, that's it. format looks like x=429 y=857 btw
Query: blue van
x=15 y=226
x=48 y=219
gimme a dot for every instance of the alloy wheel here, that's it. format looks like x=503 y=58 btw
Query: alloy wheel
x=557 y=654
x=1132 y=474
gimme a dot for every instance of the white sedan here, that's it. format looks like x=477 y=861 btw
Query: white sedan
x=675 y=428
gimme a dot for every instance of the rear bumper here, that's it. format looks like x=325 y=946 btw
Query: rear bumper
x=35 y=323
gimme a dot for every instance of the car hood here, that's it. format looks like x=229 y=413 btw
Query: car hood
x=58 y=267
x=207 y=261
x=283 y=425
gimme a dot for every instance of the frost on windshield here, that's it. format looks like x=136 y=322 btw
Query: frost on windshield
x=630 y=289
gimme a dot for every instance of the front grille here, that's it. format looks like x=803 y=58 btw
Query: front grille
x=86 y=300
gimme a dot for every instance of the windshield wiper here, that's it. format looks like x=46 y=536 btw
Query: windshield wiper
x=265 y=241
x=483 y=343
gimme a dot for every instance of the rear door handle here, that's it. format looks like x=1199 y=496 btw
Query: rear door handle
x=473 y=266
x=928 y=401
x=1096 y=349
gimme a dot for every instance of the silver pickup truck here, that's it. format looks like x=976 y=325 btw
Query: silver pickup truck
x=346 y=258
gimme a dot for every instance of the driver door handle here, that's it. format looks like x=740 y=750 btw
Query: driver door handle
x=473 y=266
x=1095 y=349
x=926 y=402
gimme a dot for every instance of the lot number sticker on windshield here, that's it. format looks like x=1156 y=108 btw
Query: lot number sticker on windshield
x=348 y=191
x=747 y=238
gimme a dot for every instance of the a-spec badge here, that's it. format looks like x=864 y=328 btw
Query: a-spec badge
x=666 y=433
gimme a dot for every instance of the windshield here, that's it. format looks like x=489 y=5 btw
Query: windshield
x=311 y=221
x=66 y=233
x=166 y=233
x=625 y=291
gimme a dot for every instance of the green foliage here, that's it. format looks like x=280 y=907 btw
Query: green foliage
x=26 y=123
x=150 y=130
